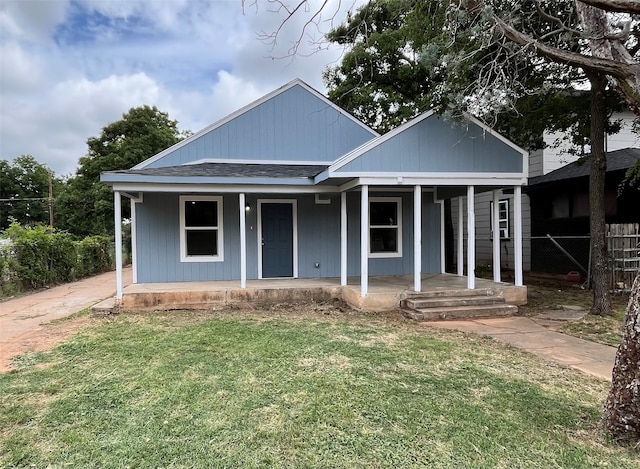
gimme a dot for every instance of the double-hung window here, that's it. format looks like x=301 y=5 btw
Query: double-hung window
x=503 y=218
x=201 y=229
x=385 y=227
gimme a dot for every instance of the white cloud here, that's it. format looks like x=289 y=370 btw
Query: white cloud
x=55 y=126
x=198 y=61
x=32 y=20
x=21 y=72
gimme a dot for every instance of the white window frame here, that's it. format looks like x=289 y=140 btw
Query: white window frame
x=504 y=232
x=183 y=238
x=398 y=253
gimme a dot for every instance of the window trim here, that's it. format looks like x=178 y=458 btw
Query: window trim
x=183 y=229
x=507 y=220
x=398 y=226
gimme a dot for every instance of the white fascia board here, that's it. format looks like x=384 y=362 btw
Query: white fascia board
x=248 y=108
x=248 y=161
x=400 y=177
x=365 y=147
x=223 y=188
x=439 y=181
x=146 y=179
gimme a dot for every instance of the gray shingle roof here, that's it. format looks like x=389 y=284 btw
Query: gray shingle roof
x=616 y=161
x=232 y=170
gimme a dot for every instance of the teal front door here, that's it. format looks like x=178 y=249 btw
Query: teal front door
x=277 y=240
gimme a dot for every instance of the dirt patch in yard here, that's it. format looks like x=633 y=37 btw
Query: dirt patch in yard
x=44 y=337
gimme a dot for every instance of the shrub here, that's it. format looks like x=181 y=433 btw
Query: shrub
x=35 y=257
x=94 y=255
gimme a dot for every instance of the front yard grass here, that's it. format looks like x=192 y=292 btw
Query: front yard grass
x=269 y=389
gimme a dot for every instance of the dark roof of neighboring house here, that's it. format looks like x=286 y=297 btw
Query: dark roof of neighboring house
x=233 y=170
x=616 y=161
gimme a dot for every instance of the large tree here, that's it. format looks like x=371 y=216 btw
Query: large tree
x=24 y=191
x=622 y=407
x=86 y=205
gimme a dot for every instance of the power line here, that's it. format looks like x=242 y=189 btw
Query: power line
x=24 y=198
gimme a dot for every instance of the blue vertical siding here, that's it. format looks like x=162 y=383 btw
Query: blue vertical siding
x=158 y=253
x=158 y=234
x=293 y=125
x=433 y=145
x=403 y=265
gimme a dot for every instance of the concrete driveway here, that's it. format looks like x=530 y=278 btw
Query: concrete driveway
x=24 y=315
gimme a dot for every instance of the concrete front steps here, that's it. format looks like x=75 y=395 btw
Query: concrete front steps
x=456 y=304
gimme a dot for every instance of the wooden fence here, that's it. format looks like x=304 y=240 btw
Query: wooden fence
x=624 y=250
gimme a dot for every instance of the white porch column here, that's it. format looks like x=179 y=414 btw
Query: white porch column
x=243 y=240
x=517 y=242
x=496 y=236
x=364 y=241
x=460 y=256
x=343 y=239
x=471 y=239
x=417 y=238
x=117 y=218
x=134 y=239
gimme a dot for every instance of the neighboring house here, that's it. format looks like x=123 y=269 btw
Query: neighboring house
x=559 y=204
x=540 y=163
x=292 y=186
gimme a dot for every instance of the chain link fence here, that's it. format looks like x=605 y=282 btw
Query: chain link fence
x=571 y=254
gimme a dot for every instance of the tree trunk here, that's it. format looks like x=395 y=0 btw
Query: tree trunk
x=622 y=408
x=607 y=42
x=599 y=259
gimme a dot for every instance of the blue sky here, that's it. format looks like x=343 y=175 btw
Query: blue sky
x=68 y=68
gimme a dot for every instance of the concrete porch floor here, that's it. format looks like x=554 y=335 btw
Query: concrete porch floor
x=384 y=294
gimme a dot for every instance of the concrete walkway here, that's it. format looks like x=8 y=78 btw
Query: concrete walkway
x=528 y=334
x=23 y=314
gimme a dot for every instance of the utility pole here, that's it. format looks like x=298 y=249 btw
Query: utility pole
x=50 y=200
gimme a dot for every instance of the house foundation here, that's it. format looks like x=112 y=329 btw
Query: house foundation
x=385 y=293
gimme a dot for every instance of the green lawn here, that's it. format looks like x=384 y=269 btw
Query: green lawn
x=237 y=389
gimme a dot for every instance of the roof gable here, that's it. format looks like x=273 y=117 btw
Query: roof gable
x=294 y=123
x=429 y=144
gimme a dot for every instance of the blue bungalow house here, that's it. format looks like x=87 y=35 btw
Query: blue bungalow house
x=292 y=186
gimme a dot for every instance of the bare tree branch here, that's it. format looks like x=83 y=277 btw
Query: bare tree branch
x=554 y=19
x=626 y=73
x=620 y=6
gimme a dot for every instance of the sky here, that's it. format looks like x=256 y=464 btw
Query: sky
x=68 y=68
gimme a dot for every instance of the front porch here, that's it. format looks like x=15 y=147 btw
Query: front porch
x=385 y=293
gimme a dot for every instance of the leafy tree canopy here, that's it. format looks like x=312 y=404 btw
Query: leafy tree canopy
x=86 y=206
x=403 y=57
x=24 y=191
